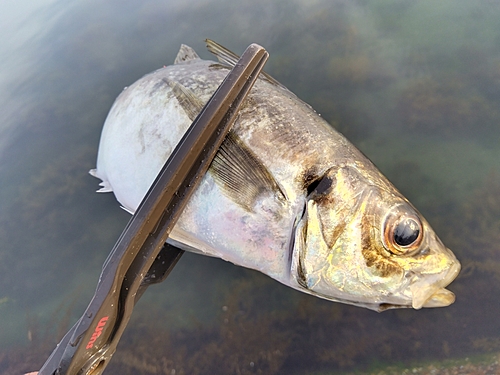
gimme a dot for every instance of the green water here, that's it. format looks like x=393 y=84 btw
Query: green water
x=414 y=84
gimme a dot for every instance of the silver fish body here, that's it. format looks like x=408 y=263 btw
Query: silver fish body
x=286 y=195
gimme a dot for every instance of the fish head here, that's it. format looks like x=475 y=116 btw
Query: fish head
x=361 y=242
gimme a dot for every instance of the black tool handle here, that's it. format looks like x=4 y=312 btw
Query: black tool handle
x=87 y=348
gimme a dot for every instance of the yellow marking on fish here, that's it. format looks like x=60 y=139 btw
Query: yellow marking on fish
x=385 y=267
x=342 y=189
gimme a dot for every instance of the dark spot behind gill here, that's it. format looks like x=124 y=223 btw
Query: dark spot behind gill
x=323 y=186
x=312 y=186
x=319 y=187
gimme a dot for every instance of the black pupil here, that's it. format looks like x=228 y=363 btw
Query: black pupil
x=406 y=232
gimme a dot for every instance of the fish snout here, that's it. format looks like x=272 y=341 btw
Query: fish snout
x=430 y=291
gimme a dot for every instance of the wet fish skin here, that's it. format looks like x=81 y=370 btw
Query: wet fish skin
x=286 y=195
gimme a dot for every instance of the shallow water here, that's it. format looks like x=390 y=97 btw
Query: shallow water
x=415 y=85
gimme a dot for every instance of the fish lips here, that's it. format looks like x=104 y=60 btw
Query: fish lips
x=431 y=292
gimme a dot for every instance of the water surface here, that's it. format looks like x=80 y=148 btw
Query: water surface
x=414 y=84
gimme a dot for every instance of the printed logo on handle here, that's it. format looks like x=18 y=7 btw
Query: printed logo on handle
x=97 y=332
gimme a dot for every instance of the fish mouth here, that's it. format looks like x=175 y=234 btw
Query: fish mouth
x=432 y=293
x=440 y=298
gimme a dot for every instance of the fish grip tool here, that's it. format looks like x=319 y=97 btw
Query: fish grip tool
x=141 y=256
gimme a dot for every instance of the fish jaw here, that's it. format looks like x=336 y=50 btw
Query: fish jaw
x=431 y=292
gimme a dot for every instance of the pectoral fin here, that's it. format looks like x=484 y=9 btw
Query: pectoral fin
x=236 y=169
x=241 y=175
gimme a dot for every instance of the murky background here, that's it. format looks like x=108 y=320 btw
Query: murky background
x=414 y=84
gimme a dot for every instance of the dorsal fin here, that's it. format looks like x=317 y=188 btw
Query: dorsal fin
x=185 y=53
x=230 y=59
x=239 y=173
x=224 y=55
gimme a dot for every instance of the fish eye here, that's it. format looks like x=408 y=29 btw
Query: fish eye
x=406 y=232
x=403 y=234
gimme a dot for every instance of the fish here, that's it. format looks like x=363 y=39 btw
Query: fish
x=286 y=194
